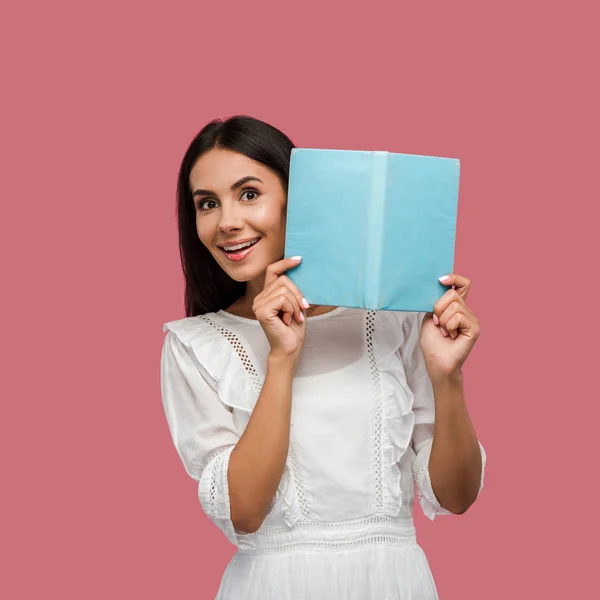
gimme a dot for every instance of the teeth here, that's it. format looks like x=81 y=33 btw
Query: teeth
x=239 y=246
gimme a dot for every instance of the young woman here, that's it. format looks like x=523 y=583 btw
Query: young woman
x=306 y=427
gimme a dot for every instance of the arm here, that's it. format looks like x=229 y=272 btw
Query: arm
x=258 y=460
x=456 y=463
x=237 y=475
x=442 y=424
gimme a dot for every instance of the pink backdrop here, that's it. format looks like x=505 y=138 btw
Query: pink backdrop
x=99 y=103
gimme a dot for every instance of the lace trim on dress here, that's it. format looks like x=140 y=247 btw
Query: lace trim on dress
x=213 y=484
x=428 y=501
x=250 y=596
x=370 y=324
x=213 y=494
x=304 y=512
x=427 y=498
x=394 y=417
x=345 y=525
x=239 y=350
x=329 y=546
x=329 y=536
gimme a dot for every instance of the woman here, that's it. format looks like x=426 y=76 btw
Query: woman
x=306 y=427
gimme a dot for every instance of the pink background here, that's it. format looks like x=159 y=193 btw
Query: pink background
x=99 y=102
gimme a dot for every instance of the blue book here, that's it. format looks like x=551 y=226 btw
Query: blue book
x=375 y=229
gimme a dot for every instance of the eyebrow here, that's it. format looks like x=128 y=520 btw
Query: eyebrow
x=234 y=187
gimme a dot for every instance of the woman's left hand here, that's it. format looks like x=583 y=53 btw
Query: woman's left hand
x=450 y=332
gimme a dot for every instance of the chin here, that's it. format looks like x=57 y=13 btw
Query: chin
x=244 y=275
x=240 y=278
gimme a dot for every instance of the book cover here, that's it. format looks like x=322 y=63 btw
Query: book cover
x=375 y=229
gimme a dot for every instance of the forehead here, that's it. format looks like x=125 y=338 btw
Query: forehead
x=219 y=168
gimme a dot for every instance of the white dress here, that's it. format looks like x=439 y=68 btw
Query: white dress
x=340 y=526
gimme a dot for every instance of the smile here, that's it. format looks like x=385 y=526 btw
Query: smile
x=239 y=251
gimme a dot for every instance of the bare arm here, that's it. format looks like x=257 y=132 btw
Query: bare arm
x=455 y=463
x=258 y=460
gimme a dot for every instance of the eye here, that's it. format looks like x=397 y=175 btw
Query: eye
x=252 y=192
x=207 y=204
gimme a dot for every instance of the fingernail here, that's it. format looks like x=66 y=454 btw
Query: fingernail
x=453 y=335
x=305 y=303
x=444 y=278
x=302 y=317
x=435 y=319
x=444 y=332
x=295 y=258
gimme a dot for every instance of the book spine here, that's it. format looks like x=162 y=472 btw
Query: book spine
x=374 y=231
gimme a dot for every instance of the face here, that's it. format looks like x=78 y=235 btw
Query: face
x=240 y=212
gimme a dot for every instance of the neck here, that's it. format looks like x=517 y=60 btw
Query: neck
x=253 y=288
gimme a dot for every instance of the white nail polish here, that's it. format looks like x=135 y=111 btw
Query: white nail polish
x=305 y=303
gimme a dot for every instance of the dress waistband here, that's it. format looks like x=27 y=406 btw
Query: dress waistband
x=346 y=535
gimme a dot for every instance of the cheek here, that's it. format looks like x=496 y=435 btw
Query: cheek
x=269 y=220
x=205 y=230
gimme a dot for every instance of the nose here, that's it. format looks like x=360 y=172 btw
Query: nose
x=230 y=218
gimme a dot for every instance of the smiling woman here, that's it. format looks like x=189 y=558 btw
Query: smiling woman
x=231 y=189
x=305 y=427
x=240 y=212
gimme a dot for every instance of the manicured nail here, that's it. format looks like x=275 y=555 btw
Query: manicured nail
x=453 y=335
x=305 y=303
x=444 y=332
x=444 y=278
x=302 y=317
x=435 y=319
x=295 y=258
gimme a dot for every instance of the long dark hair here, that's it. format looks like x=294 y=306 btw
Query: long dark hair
x=207 y=287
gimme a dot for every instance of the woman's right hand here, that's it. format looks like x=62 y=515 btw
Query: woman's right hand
x=285 y=333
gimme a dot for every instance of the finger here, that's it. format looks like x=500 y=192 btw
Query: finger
x=431 y=315
x=274 y=270
x=436 y=321
x=268 y=306
x=447 y=316
x=444 y=302
x=281 y=303
x=461 y=284
x=293 y=309
x=285 y=281
x=463 y=324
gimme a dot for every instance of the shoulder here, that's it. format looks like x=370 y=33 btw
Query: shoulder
x=185 y=330
x=197 y=340
x=215 y=345
x=209 y=335
x=205 y=329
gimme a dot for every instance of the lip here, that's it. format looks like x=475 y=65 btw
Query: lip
x=240 y=255
x=236 y=242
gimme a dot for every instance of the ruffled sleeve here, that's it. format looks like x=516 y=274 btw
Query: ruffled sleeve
x=419 y=382
x=202 y=429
